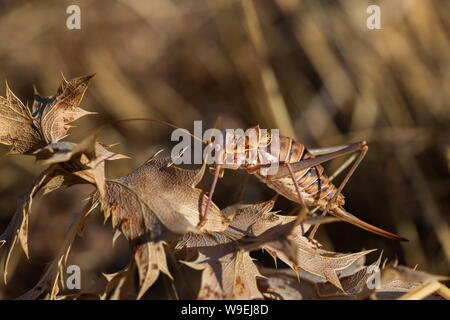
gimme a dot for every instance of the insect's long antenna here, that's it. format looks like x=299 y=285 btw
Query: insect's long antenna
x=348 y=217
x=112 y=122
x=203 y=217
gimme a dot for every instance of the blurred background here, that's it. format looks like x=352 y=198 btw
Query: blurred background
x=310 y=68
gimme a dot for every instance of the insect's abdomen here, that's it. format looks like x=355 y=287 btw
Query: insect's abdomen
x=314 y=184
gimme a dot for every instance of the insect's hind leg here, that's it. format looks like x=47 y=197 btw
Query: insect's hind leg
x=342 y=167
x=337 y=172
x=362 y=152
x=322 y=155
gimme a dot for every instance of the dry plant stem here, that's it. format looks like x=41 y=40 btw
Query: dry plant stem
x=444 y=292
x=425 y=290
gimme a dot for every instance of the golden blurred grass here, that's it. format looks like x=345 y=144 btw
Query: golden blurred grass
x=310 y=68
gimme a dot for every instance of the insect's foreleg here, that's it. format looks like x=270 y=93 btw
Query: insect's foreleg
x=203 y=218
x=217 y=173
x=362 y=152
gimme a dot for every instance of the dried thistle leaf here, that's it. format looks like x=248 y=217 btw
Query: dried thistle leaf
x=397 y=280
x=63 y=109
x=150 y=259
x=77 y=163
x=26 y=132
x=232 y=276
x=285 y=284
x=157 y=202
x=255 y=226
x=293 y=248
x=321 y=263
x=69 y=164
x=119 y=283
x=228 y=272
x=155 y=194
x=16 y=125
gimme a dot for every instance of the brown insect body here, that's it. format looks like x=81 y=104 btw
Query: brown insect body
x=314 y=184
x=311 y=182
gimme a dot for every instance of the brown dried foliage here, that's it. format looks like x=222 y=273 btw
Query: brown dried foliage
x=158 y=207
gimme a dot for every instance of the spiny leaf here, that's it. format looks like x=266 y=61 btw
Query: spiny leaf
x=154 y=195
x=232 y=276
x=157 y=202
x=119 y=283
x=322 y=263
x=26 y=132
x=70 y=164
x=357 y=281
x=255 y=226
x=77 y=163
x=296 y=250
x=150 y=259
x=397 y=280
x=284 y=284
x=16 y=125
x=55 y=116
x=228 y=272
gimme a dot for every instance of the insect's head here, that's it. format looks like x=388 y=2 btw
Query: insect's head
x=240 y=146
